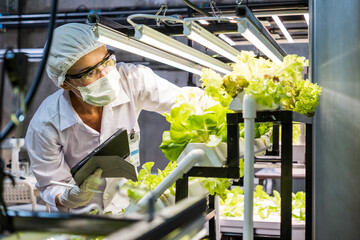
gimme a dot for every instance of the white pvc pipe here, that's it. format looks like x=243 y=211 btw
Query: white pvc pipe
x=183 y=167
x=249 y=115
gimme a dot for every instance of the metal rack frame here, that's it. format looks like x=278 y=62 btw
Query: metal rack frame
x=231 y=169
x=285 y=119
x=188 y=216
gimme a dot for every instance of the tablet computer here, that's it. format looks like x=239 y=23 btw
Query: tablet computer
x=111 y=156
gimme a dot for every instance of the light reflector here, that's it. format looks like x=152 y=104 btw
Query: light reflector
x=227 y=39
x=200 y=35
x=251 y=33
x=156 y=39
x=121 y=41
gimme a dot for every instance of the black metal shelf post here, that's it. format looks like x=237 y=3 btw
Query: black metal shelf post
x=231 y=169
x=286 y=180
x=308 y=182
x=285 y=119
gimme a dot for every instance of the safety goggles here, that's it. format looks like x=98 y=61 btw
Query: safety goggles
x=93 y=73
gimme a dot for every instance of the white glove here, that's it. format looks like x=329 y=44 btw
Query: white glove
x=76 y=196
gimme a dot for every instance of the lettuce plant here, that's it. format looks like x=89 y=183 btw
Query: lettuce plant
x=264 y=204
x=269 y=83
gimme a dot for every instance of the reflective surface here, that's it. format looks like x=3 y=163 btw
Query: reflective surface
x=336 y=67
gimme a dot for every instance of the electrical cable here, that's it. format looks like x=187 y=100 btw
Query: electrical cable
x=6 y=222
x=2 y=87
x=31 y=92
x=19 y=27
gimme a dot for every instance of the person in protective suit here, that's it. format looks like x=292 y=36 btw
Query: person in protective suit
x=97 y=96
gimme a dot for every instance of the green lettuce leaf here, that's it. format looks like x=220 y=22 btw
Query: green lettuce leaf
x=264 y=204
x=269 y=83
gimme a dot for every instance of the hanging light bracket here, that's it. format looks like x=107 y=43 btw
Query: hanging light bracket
x=243 y=11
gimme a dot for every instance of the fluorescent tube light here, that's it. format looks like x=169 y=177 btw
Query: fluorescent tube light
x=227 y=39
x=199 y=34
x=251 y=28
x=156 y=39
x=204 y=22
x=283 y=28
x=232 y=20
x=252 y=34
x=121 y=41
x=306 y=16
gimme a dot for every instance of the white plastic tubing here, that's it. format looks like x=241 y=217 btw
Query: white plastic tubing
x=183 y=167
x=249 y=115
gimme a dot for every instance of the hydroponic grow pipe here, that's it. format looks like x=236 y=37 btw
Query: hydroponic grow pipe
x=249 y=115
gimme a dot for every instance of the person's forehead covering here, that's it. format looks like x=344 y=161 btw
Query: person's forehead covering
x=70 y=42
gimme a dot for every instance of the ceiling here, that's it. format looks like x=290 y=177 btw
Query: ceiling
x=290 y=12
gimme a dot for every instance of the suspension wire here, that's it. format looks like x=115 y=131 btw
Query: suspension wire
x=196 y=8
x=214 y=8
x=163 y=7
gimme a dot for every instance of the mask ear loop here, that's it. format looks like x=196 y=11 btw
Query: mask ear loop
x=67 y=82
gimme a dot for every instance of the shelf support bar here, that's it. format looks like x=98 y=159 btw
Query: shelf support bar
x=308 y=183
x=286 y=180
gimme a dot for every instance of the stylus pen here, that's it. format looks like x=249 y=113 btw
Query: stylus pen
x=72 y=185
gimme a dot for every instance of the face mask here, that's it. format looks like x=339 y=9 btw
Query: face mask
x=103 y=91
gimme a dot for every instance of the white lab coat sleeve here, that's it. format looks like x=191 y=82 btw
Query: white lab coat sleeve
x=47 y=161
x=150 y=91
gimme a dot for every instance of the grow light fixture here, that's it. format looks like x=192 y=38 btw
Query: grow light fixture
x=250 y=28
x=200 y=35
x=306 y=16
x=159 y=40
x=283 y=28
x=203 y=22
x=251 y=34
x=232 y=20
x=227 y=39
x=121 y=41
